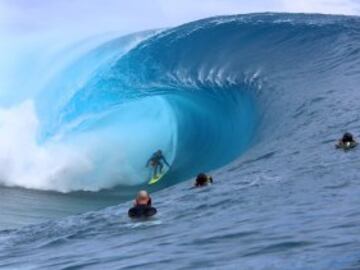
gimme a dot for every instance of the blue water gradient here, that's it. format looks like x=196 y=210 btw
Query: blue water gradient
x=212 y=122
x=260 y=99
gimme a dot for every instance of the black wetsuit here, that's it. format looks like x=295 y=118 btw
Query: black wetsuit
x=203 y=181
x=142 y=210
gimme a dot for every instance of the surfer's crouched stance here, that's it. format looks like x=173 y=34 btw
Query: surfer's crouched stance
x=142 y=206
x=203 y=180
x=346 y=142
x=156 y=162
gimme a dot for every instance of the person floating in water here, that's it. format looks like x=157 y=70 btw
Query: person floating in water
x=142 y=199
x=142 y=207
x=157 y=161
x=203 y=180
x=346 y=142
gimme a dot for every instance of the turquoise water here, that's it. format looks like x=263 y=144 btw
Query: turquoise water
x=259 y=100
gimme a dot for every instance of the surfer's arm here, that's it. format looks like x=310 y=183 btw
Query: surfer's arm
x=165 y=161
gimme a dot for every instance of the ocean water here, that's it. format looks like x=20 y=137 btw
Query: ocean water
x=258 y=100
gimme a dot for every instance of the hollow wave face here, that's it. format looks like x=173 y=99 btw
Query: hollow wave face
x=203 y=92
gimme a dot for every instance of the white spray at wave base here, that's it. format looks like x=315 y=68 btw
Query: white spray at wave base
x=102 y=158
x=112 y=152
x=24 y=163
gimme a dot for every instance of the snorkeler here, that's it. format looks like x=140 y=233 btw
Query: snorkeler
x=156 y=161
x=203 y=180
x=346 y=142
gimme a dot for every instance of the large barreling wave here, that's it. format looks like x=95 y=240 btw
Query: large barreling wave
x=88 y=116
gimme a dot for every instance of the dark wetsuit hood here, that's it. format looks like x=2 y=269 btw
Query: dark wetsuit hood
x=347 y=137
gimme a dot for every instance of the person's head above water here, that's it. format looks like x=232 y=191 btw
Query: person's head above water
x=202 y=180
x=142 y=194
x=201 y=176
x=143 y=198
x=347 y=137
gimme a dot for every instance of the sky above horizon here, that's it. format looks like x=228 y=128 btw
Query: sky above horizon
x=99 y=16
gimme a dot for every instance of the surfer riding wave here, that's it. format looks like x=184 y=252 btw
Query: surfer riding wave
x=156 y=161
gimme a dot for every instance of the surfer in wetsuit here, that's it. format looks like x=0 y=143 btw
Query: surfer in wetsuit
x=347 y=141
x=203 y=180
x=157 y=161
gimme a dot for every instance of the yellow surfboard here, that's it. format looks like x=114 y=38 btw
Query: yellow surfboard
x=156 y=179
